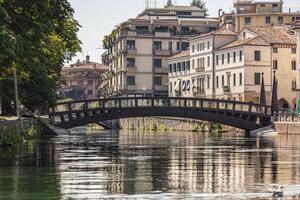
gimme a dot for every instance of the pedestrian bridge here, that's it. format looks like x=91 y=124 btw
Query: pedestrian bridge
x=244 y=115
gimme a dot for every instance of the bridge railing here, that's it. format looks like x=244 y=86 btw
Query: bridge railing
x=137 y=102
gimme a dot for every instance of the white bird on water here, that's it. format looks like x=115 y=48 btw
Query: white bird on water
x=278 y=192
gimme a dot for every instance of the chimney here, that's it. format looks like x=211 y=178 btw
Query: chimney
x=87 y=58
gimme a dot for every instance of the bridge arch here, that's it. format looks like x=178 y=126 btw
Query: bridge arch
x=247 y=116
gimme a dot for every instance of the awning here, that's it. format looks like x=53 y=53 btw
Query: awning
x=103 y=84
x=176 y=88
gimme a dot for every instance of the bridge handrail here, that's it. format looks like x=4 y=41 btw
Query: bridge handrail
x=266 y=108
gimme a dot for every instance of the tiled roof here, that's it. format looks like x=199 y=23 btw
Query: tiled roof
x=181 y=54
x=248 y=41
x=275 y=34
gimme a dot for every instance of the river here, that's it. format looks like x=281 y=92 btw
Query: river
x=143 y=165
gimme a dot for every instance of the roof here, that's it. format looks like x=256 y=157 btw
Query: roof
x=184 y=8
x=181 y=54
x=248 y=41
x=278 y=34
x=222 y=31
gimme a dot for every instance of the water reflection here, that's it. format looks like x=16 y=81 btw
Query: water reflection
x=130 y=164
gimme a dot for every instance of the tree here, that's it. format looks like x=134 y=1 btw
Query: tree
x=200 y=4
x=38 y=37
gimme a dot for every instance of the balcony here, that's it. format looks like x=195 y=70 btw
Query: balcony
x=226 y=89
x=200 y=69
x=131 y=87
x=131 y=68
x=161 y=70
x=159 y=52
x=131 y=51
x=163 y=34
x=161 y=88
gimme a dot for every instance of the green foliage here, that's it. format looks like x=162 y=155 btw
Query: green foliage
x=200 y=4
x=37 y=37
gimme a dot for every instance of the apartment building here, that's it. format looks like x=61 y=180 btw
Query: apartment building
x=137 y=50
x=200 y=74
x=240 y=63
x=82 y=79
x=296 y=28
x=258 y=13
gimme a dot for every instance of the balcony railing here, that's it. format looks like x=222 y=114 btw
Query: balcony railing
x=160 y=52
x=200 y=69
x=199 y=92
x=163 y=70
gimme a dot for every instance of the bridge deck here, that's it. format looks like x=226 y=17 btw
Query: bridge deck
x=243 y=115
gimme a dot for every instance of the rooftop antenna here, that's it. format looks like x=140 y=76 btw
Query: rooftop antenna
x=147 y=4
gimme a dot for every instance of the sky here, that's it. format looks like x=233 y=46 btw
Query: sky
x=99 y=17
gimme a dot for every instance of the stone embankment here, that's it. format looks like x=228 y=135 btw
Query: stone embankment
x=288 y=123
x=168 y=124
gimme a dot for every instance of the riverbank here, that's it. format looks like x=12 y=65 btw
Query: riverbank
x=16 y=131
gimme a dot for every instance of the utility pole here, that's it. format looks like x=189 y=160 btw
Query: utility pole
x=17 y=94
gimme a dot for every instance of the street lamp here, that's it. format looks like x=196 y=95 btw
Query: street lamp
x=17 y=94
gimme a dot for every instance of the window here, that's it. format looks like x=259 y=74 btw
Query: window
x=141 y=28
x=228 y=58
x=185 y=45
x=157 y=63
x=208 y=82
x=178 y=46
x=198 y=47
x=247 y=20
x=193 y=48
x=241 y=56
x=174 y=67
x=217 y=60
x=130 y=62
x=234 y=79
x=244 y=35
x=223 y=59
x=90 y=92
x=234 y=56
x=293 y=65
x=188 y=64
x=275 y=64
x=179 y=67
x=223 y=80
x=131 y=44
x=80 y=82
x=257 y=78
x=185 y=29
x=294 y=50
x=208 y=61
x=171 y=88
x=294 y=84
x=268 y=20
x=257 y=55
x=193 y=64
x=188 y=85
x=183 y=66
x=217 y=81
x=90 y=82
x=275 y=5
x=157 y=80
x=241 y=79
x=208 y=45
x=170 y=46
x=275 y=50
x=170 y=68
x=262 y=5
x=130 y=80
x=280 y=20
x=157 y=45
